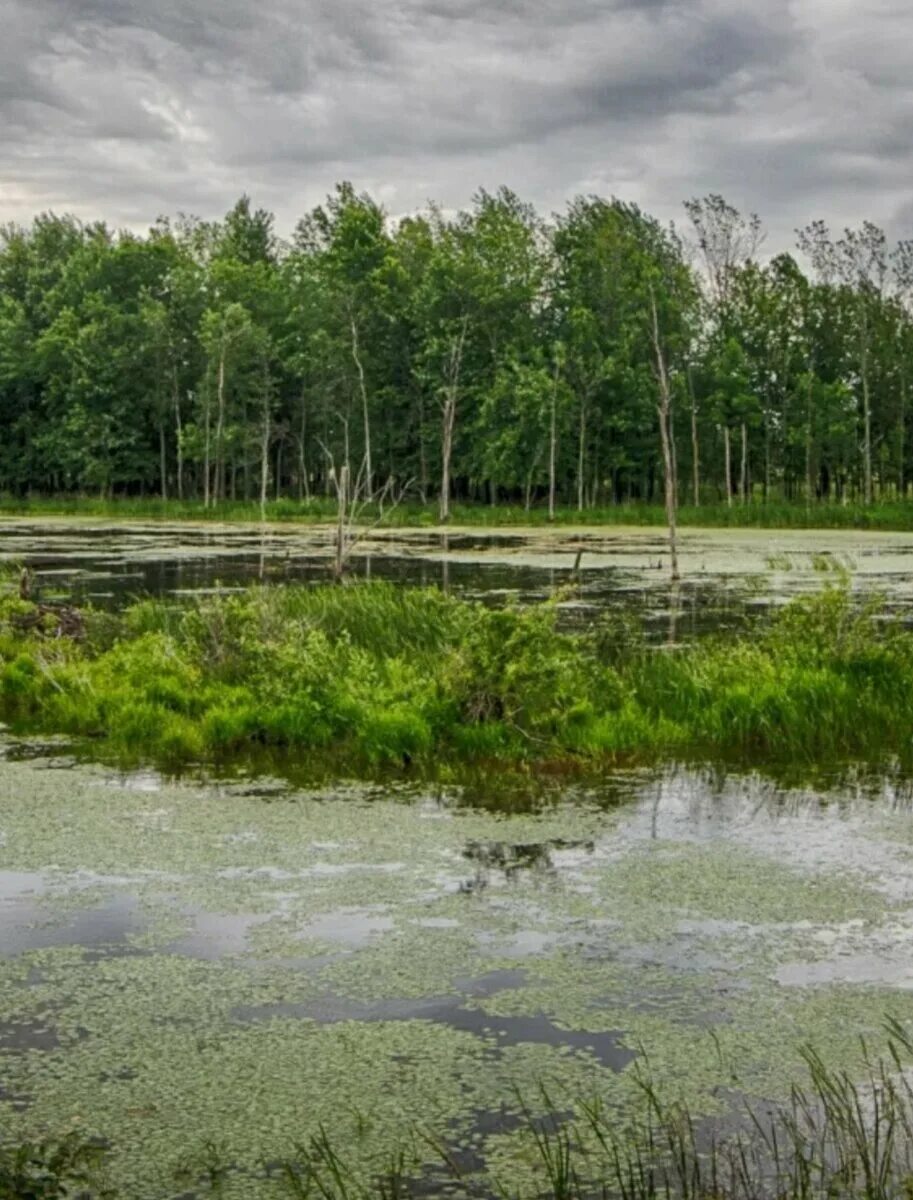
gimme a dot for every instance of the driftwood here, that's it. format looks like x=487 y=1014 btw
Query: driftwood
x=47 y=620
x=50 y=620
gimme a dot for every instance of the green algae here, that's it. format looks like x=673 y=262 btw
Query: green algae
x=726 y=883
x=295 y=958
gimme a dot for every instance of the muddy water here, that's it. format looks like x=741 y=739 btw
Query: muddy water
x=237 y=962
x=728 y=574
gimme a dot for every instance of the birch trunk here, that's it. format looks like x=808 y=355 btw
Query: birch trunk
x=264 y=457
x=356 y=355
x=552 y=444
x=581 y=457
x=176 y=396
x=342 y=502
x=163 y=459
x=867 y=428
x=304 y=485
x=664 y=411
x=448 y=423
x=219 y=483
x=449 y=420
x=206 y=451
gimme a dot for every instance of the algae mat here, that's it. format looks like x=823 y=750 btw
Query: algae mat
x=237 y=964
x=728 y=574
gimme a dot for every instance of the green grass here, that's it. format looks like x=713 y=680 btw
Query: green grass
x=371 y=675
x=774 y=514
x=834 y=1138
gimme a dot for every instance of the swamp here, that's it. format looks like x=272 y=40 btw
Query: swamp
x=523 y=875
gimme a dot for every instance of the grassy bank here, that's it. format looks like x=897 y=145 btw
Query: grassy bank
x=884 y=515
x=835 y=1137
x=371 y=675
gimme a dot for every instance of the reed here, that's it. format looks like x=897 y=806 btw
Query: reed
x=373 y=674
x=834 y=1138
x=888 y=514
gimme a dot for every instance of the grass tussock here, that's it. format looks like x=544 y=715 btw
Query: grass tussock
x=375 y=674
x=887 y=514
x=834 y=1138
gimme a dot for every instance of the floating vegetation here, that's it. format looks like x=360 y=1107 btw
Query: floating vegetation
x=833 y=1137
x=205 y=979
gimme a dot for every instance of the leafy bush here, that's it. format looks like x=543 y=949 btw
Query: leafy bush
x=378 y=674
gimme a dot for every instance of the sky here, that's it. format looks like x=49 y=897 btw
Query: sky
x=125 y=109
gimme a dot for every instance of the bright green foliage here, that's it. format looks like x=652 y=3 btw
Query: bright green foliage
x=883 y=515
x=216 y=361
x=373 y=674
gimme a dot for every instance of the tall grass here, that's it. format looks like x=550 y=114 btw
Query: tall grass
x=771 y=514
x=834 y=1137
x=373 y=674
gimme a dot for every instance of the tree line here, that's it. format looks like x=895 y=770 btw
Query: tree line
x=489 y=355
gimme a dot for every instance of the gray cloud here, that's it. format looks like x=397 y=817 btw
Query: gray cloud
x=124 y=109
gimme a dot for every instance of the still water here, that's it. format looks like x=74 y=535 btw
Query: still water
x=239 y=961
x=728 y=575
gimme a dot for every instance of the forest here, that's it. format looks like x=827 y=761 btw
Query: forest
x=483 y=355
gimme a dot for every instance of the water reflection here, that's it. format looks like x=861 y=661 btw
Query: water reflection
x=697 y=912
x=729 y=576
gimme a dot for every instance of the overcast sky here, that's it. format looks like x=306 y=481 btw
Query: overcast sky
x=124 y=109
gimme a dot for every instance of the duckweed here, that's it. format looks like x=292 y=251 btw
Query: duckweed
x=209 y=966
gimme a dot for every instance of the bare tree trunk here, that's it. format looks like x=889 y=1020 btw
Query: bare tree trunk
x=163 y=459
x=552 y=443
x=369 y=471
x=220 y=429
x=902 y=433
x=264 y=455
x=695 y=445
x=422 y=455
x=342 y=504
x=809 y=487
x=664 y=411
x=581 y=455
x=277 y=474
x=176 y=395
x=304 y=485
x=727 y=459
x=206 y=451
x=348 y=451
x=446 y=452
x=743 y=474
x=451 y=393
x=867 y=428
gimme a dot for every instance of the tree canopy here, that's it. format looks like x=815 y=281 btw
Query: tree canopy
x=483 y=354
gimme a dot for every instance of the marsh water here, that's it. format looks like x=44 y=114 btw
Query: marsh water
x=728 y=575
x=236 y=962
